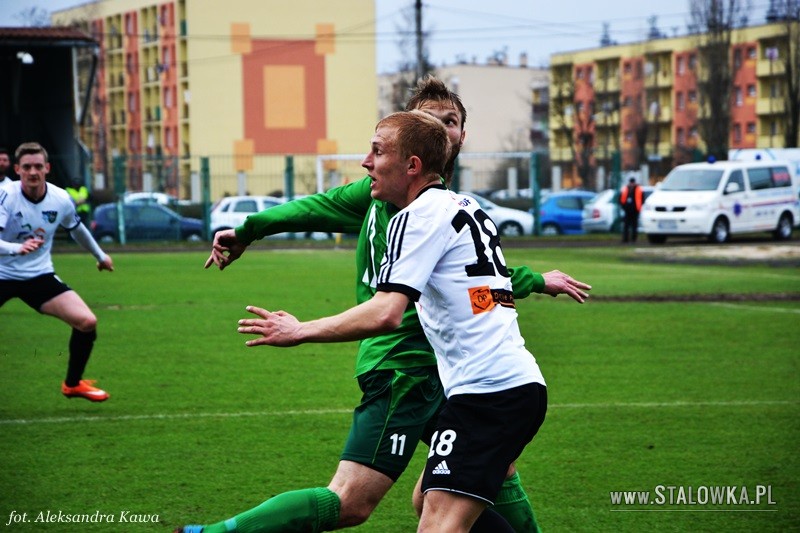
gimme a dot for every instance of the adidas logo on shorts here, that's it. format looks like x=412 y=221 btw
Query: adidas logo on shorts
x=441 y=468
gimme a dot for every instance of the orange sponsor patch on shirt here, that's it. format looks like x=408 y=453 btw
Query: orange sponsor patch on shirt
x=481 y=299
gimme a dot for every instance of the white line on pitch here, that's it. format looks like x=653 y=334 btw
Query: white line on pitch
x=250 y=414
x=747 y=307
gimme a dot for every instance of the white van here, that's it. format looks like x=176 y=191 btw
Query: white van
x=718 y=199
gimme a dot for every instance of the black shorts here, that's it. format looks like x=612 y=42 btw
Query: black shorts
x=35 y=291
x=479 y=435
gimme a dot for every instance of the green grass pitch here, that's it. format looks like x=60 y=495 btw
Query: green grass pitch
x=698 y=392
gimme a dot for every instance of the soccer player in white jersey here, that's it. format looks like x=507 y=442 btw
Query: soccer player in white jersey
x=443 y=254
x=30 y=213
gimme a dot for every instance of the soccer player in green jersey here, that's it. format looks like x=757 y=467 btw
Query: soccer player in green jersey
x=396 y=371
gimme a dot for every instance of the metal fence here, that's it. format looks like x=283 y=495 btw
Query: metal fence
x=198 y=182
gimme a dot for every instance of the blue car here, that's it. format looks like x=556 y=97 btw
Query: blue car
x=562 y=212
x=144 y=222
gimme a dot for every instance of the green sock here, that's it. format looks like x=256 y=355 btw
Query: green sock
x=513 y=503
x=300 y=510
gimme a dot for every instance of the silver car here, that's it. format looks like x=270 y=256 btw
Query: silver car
x=509 y=222
x=604 y=214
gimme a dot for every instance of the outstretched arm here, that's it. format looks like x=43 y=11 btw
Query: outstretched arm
x=525 y=281
x=85 y=239
x=340 y=210
x=225 y=249
x=556 y=282
x=382 y=313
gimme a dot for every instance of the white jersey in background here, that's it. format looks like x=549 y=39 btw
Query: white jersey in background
x=22 y=219
x=444 y=253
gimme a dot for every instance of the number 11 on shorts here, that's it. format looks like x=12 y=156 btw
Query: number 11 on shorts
x=398 y=444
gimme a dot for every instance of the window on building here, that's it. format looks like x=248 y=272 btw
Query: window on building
x=131 y=102
x=774 y=90
x=773 y=127
x=737 y=133
x=751 y=127
x=739 y=97
x=737 y=58
x=169 y=137
x=680 y=104
x=627 y=68
x=693 y=132
x=751 y=52
x=167 y=97
x=628 y=136
x=692 y=61
x=680 y=68
x=627 y=101
x=751 y=90
x=692 y=96
x=680 y=136
x=579 y=73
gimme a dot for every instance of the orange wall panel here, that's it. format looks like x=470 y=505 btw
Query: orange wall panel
x=284 y=95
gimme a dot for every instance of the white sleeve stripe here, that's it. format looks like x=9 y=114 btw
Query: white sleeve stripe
x=396 y=231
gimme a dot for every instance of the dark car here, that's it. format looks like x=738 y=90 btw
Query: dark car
x=562 y=212
x=144 y=222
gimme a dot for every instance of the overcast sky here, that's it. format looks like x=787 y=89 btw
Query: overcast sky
x=467 y=29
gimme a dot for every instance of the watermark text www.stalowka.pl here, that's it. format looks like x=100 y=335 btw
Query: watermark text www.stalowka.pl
x=679 y=497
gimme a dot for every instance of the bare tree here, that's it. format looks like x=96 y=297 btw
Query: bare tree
x=574 y=123
x=715 y=21
x=33 y=17
x=412 y=46
x=789 y=13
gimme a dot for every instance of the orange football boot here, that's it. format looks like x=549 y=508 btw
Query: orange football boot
x=85 y=389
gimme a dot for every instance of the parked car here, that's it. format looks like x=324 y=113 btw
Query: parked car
x=231 y=211
x=160 y=198
x=509 y=222
x=144 y=222
x=604 y=213
x=562 y=212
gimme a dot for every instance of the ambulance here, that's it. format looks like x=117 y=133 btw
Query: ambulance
x=718 y=199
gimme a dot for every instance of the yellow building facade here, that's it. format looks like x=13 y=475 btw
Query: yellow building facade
x=641 y=100
x=245 y=83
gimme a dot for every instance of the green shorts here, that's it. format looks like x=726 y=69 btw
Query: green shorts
x=397 y=410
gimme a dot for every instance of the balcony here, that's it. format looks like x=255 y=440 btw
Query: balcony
x=767 y=141
x=560 y=154
x=770 y=106
x=665 y=114
x=608 y=85
x=658 y=80
x=765 y=67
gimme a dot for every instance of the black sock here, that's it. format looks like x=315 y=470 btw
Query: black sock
x=490 y=521
x=80 y=348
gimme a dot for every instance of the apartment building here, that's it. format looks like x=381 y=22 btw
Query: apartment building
x=642 y=101
x=240 y=82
